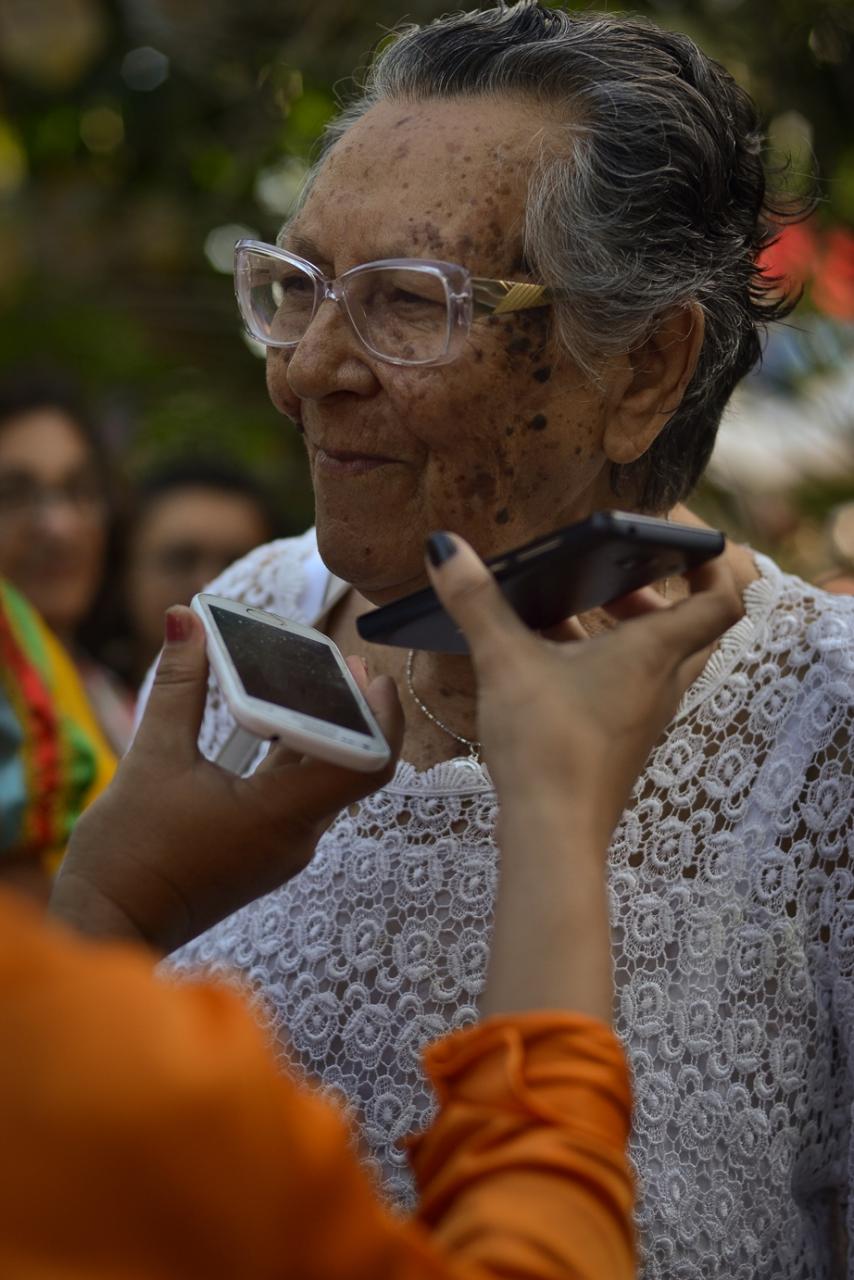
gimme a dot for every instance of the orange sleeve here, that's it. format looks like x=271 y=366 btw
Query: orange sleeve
x=146 y=1133
x=524 y=1171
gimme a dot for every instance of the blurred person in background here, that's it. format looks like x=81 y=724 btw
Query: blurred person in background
x=58 y=527
x=840 y=538
x=54 y=758
x=191 y=518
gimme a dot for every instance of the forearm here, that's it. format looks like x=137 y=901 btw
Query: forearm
x=551 y=944
x=524 y=1171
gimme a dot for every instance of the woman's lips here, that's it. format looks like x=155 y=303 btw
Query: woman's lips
x=341 y=462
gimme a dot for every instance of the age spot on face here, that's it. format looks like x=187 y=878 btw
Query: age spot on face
x=502 y=516
x=539 y=422
x=429 y=234
x=519 y=345
x=480 y=485
x=542 y=374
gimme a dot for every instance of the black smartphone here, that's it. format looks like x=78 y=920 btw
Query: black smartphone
x=555 y=577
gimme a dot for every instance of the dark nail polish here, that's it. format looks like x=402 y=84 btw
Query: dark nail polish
x=440 y=548
x=176 y=628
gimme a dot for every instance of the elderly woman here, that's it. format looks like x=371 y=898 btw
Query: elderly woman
x=521 y=286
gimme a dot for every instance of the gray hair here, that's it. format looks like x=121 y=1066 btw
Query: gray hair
x=658 y=200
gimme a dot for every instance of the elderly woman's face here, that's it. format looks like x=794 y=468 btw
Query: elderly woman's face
x=501 y=445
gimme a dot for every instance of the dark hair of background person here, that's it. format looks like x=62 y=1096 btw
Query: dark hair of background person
x=175 y=548
x=222 y=475
x=655 y=195
x=32 y=389
x=26 y=391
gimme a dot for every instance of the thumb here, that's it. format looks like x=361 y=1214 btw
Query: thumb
x=471 y=596
x=172 y=718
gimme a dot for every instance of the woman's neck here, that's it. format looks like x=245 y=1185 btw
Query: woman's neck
x=445 y=683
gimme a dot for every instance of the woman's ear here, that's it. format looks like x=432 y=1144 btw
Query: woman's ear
x=653 y=380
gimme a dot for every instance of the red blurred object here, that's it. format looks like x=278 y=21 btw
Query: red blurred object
x=821 y=262
x=793 y=256
x=833 y=290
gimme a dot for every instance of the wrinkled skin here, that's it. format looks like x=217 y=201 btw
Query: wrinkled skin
x=507 y=442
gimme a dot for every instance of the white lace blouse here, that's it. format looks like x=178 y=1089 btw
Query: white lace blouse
x=733 y=928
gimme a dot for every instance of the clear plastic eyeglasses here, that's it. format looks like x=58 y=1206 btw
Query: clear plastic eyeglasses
x=408 y=311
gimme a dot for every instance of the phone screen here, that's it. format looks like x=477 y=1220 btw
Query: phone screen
x=288 y=669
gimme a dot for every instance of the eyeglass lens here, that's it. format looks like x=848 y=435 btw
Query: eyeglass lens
x=400 y=312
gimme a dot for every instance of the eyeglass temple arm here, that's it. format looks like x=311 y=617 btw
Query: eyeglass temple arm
x=502 y=296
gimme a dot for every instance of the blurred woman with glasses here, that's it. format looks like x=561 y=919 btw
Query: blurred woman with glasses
x=58 y=527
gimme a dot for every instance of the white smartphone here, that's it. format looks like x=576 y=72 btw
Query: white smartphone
x=285 y=681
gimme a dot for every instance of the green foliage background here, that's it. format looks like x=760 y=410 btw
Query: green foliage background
x=109 y=193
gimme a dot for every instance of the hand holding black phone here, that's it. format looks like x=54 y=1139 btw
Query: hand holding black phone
x=563 y=574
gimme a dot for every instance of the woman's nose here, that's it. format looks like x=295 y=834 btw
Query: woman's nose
x=329 y=358
x=58 y=518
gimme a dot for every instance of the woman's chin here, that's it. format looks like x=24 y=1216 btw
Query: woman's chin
x=376 y=576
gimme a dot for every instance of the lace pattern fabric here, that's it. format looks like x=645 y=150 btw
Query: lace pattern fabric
x=733 y=927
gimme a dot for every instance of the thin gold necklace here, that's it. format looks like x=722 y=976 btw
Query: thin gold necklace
x=473 y=746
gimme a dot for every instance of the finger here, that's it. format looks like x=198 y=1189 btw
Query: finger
x=692 y=639
x=358 y=669
x=280 y=756
x=693 y=624
x=383 y=699
x=713 y=575
x=716 y=578
x=470 y=595
x=172 y=718
x=310 y=796
x=325 y=789
x=635 y=604
x=693 y=667
x=566 y=632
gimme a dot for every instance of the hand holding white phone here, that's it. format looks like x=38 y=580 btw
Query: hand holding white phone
x=285 y=681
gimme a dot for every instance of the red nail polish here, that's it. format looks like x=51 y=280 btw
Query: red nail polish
x=176 y=628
